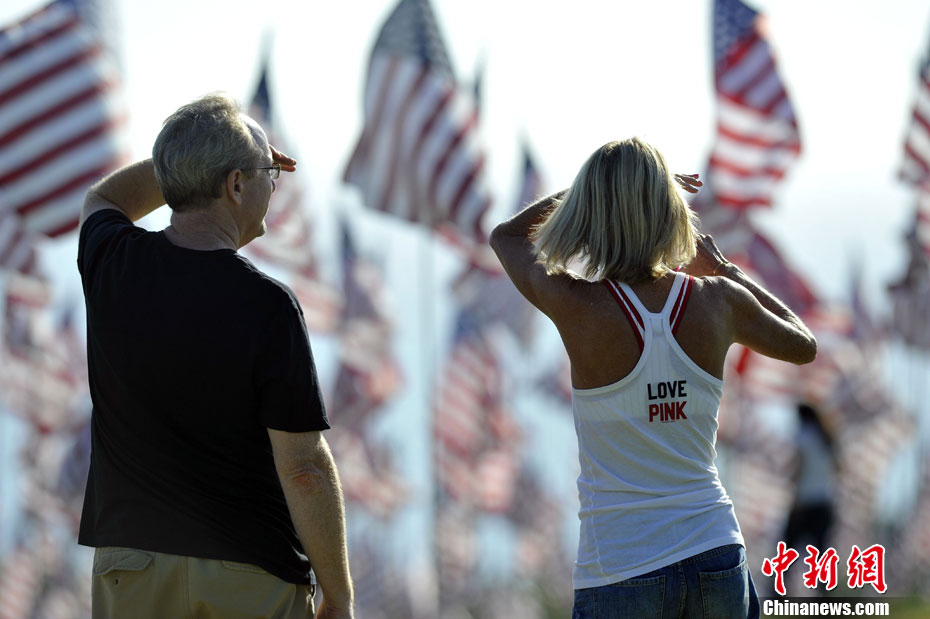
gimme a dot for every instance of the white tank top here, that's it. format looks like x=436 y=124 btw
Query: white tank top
x=649 y=490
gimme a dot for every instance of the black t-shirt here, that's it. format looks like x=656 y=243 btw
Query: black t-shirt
x=192 y=355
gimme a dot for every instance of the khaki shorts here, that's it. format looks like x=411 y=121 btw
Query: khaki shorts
x=139 y=584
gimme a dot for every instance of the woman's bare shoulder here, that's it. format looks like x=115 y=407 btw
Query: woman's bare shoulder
x=716 y=292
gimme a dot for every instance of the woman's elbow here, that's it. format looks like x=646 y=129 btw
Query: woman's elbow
x=496 y=238
x=806 y=351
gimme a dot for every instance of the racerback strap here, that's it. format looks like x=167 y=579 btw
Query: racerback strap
x=678 y=310
x=636 y=321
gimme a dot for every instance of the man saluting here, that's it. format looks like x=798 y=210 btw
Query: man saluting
x=212 y=491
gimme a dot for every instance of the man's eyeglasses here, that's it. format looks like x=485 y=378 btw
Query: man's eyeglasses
x=274 y=170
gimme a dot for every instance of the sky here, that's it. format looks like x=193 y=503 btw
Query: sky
x=567 y=80
x=565 y=77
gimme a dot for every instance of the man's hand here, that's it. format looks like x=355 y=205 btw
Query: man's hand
x=326 y=611
x=288 y=164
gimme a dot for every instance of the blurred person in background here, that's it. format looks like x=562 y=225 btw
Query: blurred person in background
x=815 y=467
x=647 y=343
x=211 y=492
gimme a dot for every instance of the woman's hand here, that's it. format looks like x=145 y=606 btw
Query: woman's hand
x=709 y=258
x=288 y=164
x=689 y=182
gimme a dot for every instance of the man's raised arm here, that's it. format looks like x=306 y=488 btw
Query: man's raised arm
x=131 y=189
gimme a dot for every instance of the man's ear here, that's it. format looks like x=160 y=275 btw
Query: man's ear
x=234 y=186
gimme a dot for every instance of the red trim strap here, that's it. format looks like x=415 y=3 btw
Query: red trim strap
x=629 y=310
x=681 y=302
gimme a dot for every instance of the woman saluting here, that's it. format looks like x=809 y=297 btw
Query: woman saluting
x=647 y=344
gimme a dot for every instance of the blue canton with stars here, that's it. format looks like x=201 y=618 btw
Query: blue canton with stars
x=733 y=20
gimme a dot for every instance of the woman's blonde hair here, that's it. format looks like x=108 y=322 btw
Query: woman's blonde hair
x=624 y=214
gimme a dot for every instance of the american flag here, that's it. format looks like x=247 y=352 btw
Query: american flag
x=476 y=436
x=784 y=281
x=419 y=157
x=743 y=243
x=868 y=449
x=531 y=185
x=871 y=425
x=20 y=583
x=915 y=169
x=557 y=382
x=469 y=388
x=288 y=243
x=44 y=365
x=539 y=515
x=381 y=589
x=369 y=374
x=914 y=543
x=17 y=247
x=911 y=293
x=59 y=122
x=757 y=135
x=475 y=431
x=457 y=553
x=921 y=229
x=368 y=474
x=910 y=297
x=483 y=288
x=864 y=328
x=762 y=378
x=367 y=377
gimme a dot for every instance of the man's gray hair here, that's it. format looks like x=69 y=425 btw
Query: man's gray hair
x=198 y=146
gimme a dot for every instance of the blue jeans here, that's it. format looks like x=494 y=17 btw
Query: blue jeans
x=715 y=585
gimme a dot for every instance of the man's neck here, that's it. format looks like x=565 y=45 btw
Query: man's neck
x=203 y=229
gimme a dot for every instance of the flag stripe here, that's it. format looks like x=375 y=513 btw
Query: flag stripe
x=465 y=186
x=746 y=174
x=915 y=167
x=17 y=251
x=47 y=136
x=40 y=28
x=440 y=109
x=78 y=182
x=442 y=164
x=382 y=144
x=90 y=94
x=64 y=148
x=757 y=140
x=41 y=77
x=379 y=80
x=397 y=142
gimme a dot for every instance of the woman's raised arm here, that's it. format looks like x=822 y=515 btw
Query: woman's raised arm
x=760 y=320
x=512 y=241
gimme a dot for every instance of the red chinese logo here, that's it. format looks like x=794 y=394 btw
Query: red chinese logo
x=864 y=567
x=822 y=568
x=867 y=567
x=778 y=564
